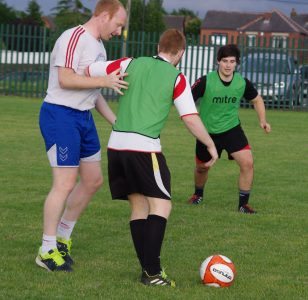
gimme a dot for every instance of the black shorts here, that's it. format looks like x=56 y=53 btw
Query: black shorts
x=138 y=172
x=232 y=140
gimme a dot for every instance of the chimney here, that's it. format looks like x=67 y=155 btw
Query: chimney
x=293 y=13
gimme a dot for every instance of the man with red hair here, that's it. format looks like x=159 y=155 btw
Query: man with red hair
x=137 y=168
x=68 y=128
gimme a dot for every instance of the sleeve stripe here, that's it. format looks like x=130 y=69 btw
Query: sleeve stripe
x=183 y=116
x=180 y=88
x=115 y=65
x=72 y=46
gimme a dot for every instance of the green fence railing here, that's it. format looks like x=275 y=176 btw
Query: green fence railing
x=278 y=70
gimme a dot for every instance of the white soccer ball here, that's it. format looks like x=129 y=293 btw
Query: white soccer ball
x=218 y=271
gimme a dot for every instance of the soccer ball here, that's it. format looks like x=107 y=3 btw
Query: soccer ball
x=218 y=271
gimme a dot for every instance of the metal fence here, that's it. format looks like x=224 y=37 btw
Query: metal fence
x=278 y=72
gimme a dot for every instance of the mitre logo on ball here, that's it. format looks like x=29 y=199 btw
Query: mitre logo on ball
x=218 y=271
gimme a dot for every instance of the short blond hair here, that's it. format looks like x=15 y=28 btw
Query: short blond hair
x=110 y=6
x=172 y=41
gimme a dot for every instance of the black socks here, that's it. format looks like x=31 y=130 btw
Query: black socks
x=199 y=191
x=137 y=228
x=243 y=197
x=148 y=236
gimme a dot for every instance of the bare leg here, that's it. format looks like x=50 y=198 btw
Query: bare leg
x=201 y=175
x=91 y=180
x=139 y=206
x=64 y=180
x=245 y=161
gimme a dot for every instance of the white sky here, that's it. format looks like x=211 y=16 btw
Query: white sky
x=200 y=7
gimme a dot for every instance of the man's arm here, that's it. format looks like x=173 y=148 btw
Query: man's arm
x=196 y=127
x=259 y=107
x=251 y=94
x=69 y=79
x=110 y=68
x=104 y=109
x=198 y=88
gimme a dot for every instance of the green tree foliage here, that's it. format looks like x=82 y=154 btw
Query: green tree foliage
x=146 y=15
x=153 y=18
x=7 y=14
x=33 y=14
x=192 y=22
x=193 y=26
x=33 y=17
x=136 y=13
x=184 y=12
x=69 y=13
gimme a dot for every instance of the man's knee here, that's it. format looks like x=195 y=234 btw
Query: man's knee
x=201 y=169
x=97 y=183
x=92 y=184
x=247 y=164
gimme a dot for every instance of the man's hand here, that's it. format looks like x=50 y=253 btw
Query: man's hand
x=266 y=126
x=115 y=81
x=212 y=150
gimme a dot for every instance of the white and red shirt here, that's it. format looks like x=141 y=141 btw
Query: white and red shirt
x=182 y=96
x=132 y=141
x=74 y=49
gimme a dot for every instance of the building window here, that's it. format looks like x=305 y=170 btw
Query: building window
x=218 y=39
x=251 y=40
x=279 y=42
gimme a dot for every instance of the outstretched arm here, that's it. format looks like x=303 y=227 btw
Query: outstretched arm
x=196 y=127
x=114 y=69
x=184 y=103
x=69 y=79
x=259 y=107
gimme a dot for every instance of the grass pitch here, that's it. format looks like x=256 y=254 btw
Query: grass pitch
x=269 y=249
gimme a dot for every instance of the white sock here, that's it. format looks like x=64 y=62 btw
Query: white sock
x=49 y=242
x=65 y=228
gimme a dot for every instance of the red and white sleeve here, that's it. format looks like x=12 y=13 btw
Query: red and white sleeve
x=182 y=97
x=102 y=68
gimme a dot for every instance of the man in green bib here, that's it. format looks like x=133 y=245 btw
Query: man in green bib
x=220 y=93
x=137 y=168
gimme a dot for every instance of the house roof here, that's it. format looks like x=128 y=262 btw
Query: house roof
x=301 y=19
x=176 y=22
x=273 y=21
x=215 y=19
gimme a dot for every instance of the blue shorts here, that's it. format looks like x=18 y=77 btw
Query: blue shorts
x=70 y=135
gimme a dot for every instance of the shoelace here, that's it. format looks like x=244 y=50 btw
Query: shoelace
x=56 y=257
x=165 y=277
x=67 y=245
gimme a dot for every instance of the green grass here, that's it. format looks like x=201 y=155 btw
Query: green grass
x=269 y=249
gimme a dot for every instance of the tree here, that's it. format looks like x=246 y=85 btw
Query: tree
x=75 y=6
x=136 y=13
x=69 y=13
x=33 y=15
x=193 y=26
x=7 y=14
x=184 y=12
x=146 y=15
x=192 y=22
x=153 y=19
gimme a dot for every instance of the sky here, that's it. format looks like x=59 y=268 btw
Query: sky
x=200 y=7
